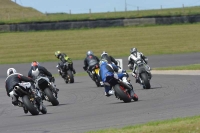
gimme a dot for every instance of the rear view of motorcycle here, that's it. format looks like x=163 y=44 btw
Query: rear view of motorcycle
x=29 y=101
x=48 y=89
x=66 y=73
x=123 y=90
x=94 y=75
x=143 y=73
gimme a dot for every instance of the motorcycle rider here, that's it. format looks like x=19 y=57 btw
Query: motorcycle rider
x=37 y=69
x=109 y=70
x=64 y=58
x=90 y=61
x=109 y=59
x=13 y=79
x=134 y=56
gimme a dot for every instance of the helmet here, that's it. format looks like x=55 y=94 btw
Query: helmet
x=104 y=52
x=133 y=50
x=35 y=71
x=34 y=63
x=89 y=53
x=57 y=54
x=11 y=71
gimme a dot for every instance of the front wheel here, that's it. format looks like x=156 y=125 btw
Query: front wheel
x=51 y=97
x=122 y=93
x=70 y=76
x=30 y=106
x=146 y=81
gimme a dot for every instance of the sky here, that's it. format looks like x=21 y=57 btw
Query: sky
x=85 y=6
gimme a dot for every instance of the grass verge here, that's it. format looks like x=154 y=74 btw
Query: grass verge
x=24 y=47
x=178 y=125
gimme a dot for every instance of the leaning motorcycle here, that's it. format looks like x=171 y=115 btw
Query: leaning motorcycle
x=47 y=89
x=28 y=99
x=143 y=73
x=66 y=73
x=94 y=74
x=123 y=91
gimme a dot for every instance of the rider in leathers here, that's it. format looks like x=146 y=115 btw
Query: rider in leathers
x=14 y=79
x=90 y=61
x=134 y=56
x=109 y=59
x=64 y=58
x=109 y=70
x=37 y=70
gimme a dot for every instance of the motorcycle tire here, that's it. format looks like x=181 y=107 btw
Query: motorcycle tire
x=71 y=76
x=31 y=108
x=122 y=95
x=44 y=110
x=146 y=82
x=51 y=97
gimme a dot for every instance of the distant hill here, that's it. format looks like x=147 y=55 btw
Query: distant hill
x=11 y=10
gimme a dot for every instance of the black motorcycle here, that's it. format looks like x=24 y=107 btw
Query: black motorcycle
x=28 y=99
x=143 y=73
x=47 y=89
x=93 y=72
x=66 y=73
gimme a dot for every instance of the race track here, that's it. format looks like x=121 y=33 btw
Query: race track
x=83 y=106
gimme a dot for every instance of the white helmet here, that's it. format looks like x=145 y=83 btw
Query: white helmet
x=89 y=53
x=11 y=71
x=104 y=52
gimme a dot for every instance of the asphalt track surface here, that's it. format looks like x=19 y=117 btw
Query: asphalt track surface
x=83 y=106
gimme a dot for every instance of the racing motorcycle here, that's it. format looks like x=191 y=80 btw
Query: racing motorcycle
x=123 y=90
x=47 y=88
x=143 y=73
x=29 y=101
x=66 y=73
x=93 y=72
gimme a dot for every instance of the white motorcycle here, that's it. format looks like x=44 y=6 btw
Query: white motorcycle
x=48 y=89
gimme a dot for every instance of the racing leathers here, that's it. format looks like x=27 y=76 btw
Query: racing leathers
x=89 y=62
x=109 y=59
x=132 y=59
x=40 y=70
x=109 y=70
x=14 y=80
x=64 y=58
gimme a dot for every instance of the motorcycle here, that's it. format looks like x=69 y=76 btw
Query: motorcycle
x=93 y=72
x=123 y=90
x=47 y=89
x=66 y=73
x=143 y=73
x=28 y=99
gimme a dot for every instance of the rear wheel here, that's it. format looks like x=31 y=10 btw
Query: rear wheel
x=71 y=76
x=122 y=93
x=30 y=106
x=145 y=79
x=51 y=97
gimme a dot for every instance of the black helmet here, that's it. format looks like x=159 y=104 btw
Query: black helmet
x=133 y=50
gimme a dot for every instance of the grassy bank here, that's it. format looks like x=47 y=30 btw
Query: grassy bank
x=13 y=13
x=178 y=125
x=153 y=40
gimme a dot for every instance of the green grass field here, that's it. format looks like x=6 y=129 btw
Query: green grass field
x=178 y=125
x=19 y=47
x=13 y=13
